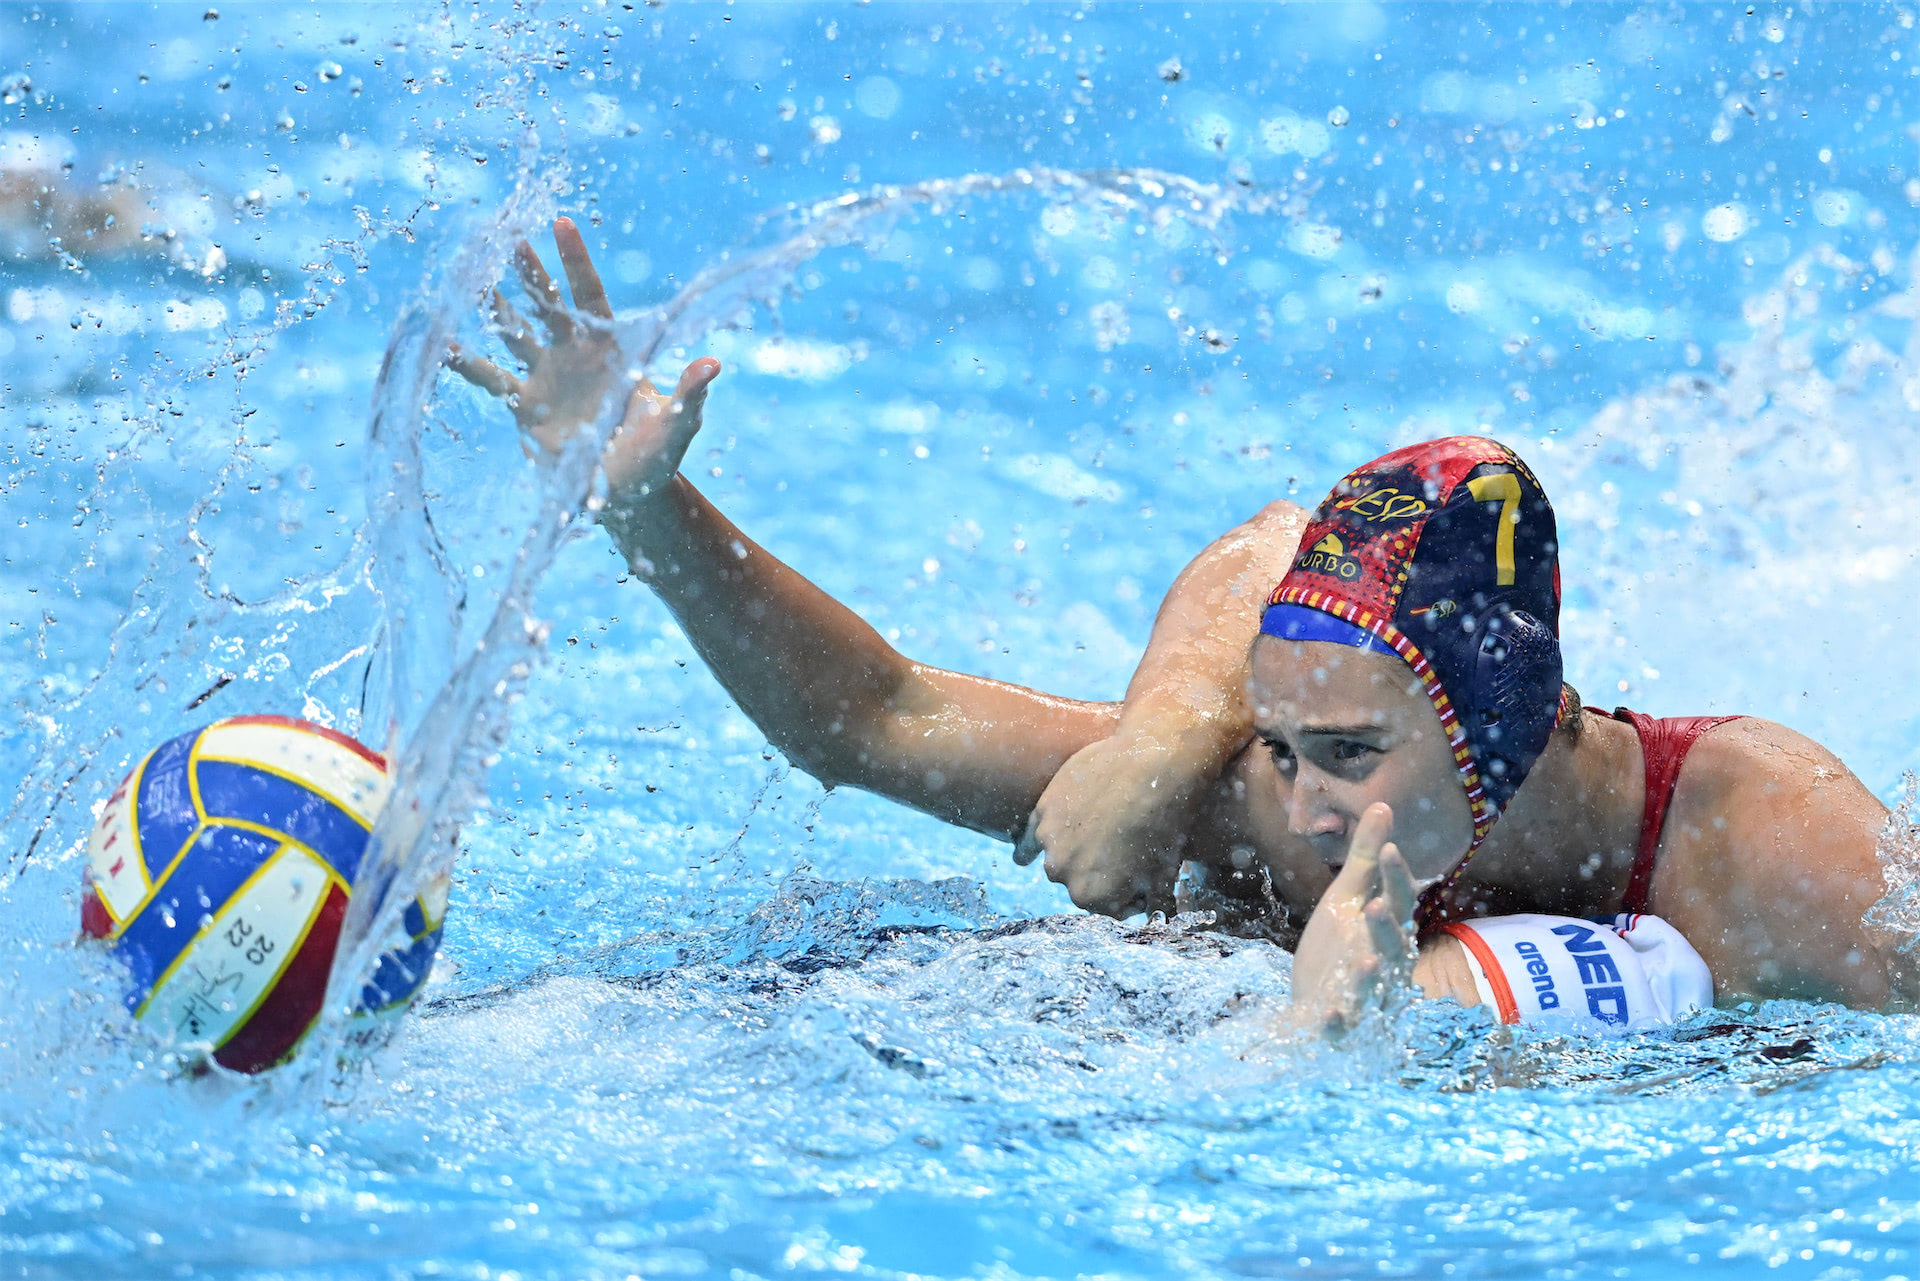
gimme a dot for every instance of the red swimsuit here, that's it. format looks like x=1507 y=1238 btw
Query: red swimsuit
x=1665 y=744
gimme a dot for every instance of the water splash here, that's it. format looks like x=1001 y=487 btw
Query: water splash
x=1758 y=456
x=1893 y=922
x=219 y=620
x=678 y=1119
x=449 y=733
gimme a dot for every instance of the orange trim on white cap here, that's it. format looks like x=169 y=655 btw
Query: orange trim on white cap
x=1489 y=967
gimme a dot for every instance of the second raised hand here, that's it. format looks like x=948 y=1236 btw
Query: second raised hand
x=1358 y=948
x=568 y=376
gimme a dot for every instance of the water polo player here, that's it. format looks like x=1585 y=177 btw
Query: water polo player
x=1408 y=660
x=1409 y=656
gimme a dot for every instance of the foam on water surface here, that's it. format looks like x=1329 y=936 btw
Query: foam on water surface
x=1020 y=307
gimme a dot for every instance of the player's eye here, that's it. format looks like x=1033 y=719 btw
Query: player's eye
x=1282 y=754
x=1348 y=749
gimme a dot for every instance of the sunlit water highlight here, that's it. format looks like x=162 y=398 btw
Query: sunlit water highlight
x=694 y=1017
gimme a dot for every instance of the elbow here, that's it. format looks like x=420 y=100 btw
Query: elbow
x=1280 y=509
x=824 y=767
x=840 y=750
x=854 y=736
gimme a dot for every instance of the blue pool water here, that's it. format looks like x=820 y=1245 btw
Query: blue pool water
x=1112 y=277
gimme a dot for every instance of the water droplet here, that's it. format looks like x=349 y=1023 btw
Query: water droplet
x=1338 y=117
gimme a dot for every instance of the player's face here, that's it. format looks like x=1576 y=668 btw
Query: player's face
x=1347 y=727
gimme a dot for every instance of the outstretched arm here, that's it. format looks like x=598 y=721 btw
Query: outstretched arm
x=823 y=686
x=832 y=694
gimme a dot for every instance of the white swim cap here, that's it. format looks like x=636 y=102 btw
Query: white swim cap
x=1634 y=972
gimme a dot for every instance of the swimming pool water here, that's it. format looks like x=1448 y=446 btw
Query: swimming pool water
x=695 y=1017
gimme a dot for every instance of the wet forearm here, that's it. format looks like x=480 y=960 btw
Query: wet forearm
x=809 y=672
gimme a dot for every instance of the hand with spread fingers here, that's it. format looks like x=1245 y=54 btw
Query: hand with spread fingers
x=567 y=377
x=1358 y=949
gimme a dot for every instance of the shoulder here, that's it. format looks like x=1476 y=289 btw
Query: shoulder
x=1752 y=741
x=1752 y=784
x=1769 y=860
x=1281 y=509
x=1751 y=760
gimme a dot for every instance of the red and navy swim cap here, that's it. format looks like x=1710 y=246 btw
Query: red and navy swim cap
x=1446 y=555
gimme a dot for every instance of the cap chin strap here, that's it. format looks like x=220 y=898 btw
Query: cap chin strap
x=1431 y=911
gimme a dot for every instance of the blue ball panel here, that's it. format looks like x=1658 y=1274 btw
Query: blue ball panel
x=228 y=790
x=218 y=864
x=165 y=817
x=399 y=975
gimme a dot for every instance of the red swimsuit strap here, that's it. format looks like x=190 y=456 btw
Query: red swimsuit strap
x=1664 y=745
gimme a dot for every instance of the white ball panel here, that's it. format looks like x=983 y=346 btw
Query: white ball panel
x=228 y=969
x=356 y=784
x=113 y=851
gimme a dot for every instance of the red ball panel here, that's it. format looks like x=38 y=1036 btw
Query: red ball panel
x=94 y=921
x=284 y=1017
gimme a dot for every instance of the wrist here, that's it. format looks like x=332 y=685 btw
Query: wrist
x=1203 y=732
x=640 y=519
x=1169 y=767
